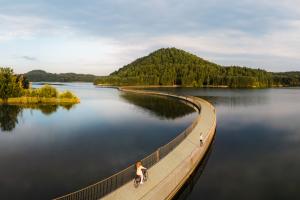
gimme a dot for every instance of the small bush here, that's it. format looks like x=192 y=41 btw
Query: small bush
x=67 y=95
x=34 y=93
x=47 y=91
x=30 y=93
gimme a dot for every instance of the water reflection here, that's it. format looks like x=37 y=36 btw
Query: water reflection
x=162 y=107
x=9 y=114
x=49 y=109
x=46 y=156
x=188 y=187
x=226 y=97
x=256 y=152
x=237 y=101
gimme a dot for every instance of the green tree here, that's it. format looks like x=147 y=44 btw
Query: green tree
x=24 y=81
x=10 y=85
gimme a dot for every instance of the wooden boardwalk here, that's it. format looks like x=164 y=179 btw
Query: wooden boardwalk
x=168 y=175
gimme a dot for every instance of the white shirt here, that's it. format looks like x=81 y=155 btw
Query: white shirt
x=201 y=137
x=139 y=170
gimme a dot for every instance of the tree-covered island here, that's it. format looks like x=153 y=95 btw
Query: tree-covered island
x=15 y=89
x=171 y=66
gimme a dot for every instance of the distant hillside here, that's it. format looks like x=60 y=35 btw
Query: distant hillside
x=42 y=76
x=171 y=66
x=286 y=78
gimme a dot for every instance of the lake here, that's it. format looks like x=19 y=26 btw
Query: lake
x=47 y=151
x=255 y=154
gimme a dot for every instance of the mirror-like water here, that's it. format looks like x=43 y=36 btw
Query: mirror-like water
x=257 y=145
x=47 y=151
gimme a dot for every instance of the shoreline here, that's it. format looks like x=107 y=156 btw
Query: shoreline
x=39 y=100
x=180 y=86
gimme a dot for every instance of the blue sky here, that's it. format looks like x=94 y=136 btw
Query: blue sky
x=99 y=36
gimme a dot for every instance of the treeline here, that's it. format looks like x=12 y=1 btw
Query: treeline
x=286 y=79
x=172 y=66
x=42 y=76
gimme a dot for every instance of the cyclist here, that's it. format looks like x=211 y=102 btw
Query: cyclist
x=139 y=171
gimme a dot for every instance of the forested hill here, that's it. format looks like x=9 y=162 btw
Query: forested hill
x=286 y=78
x=42 y=76
x=171 y=66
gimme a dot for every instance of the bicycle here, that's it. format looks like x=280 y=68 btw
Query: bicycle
x=137 y=178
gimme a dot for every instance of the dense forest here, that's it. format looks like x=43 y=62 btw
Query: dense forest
x=171 y=66
x=42 y=76
x=287 y=79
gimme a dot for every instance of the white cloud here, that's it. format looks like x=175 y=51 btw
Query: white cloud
x=101 y=36
x=28 y=27
x=273 y=51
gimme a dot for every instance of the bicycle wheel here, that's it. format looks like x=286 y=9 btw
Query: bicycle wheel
x=136 y=183
x=146 y=175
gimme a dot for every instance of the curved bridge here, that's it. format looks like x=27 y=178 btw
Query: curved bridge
x=169 y=167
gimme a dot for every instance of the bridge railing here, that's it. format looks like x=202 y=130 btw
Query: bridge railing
x=108 y=185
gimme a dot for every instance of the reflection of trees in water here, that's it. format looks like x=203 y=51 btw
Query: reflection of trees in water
x=236 y=101
x=67 y=106
x=163 y=107
x=9 y=113
x=9 y=116
x=46 y=109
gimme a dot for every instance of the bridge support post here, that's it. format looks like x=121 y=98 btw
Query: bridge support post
x=157 y=155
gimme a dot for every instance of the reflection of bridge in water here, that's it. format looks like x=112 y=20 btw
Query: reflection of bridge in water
x=169 y=167
x=188 y=187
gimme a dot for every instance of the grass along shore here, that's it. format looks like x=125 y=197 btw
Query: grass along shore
x=16 y=89
x=40 y=100
x=44 y=95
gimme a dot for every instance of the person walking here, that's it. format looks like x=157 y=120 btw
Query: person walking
x=201 y=139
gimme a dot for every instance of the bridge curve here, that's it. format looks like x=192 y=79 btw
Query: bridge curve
x=170 y=166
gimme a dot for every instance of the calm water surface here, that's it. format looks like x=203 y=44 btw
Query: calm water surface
x=257 y=145
x=47 y=151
